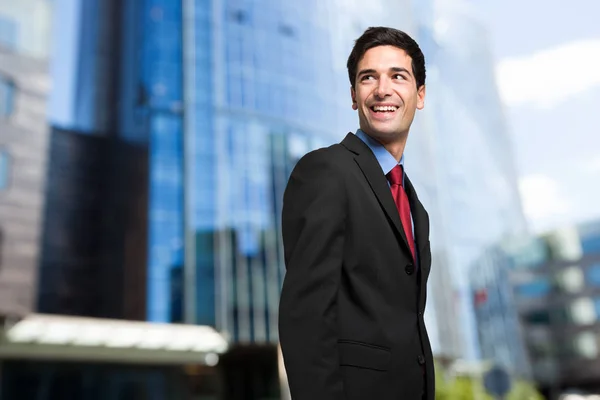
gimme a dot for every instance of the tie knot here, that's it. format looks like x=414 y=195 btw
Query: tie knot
x=395 y=175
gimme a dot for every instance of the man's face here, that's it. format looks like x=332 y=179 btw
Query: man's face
x=386 y=94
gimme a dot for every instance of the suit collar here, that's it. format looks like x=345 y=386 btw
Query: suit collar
x=384 y=157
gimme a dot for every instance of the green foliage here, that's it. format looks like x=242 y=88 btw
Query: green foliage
x=465 y=387
x=461 y=388
x=523 y=390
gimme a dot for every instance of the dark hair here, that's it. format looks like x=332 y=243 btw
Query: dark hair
x=382 y=36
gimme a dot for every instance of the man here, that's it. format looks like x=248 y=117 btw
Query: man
x=356 y=241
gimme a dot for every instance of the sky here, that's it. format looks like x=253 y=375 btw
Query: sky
x=547 y=56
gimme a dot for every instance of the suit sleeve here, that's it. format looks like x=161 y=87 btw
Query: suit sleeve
x=313 y=221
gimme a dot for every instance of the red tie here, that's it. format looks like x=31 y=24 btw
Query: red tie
x=401 y=200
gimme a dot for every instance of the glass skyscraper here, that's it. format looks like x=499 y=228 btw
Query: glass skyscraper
x=475 y=179
x=500 y=333
x=259 y=84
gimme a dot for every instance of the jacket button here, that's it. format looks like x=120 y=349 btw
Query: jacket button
x=421 y=359
x=409 y=269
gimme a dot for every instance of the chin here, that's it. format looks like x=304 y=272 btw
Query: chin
x=385 y=131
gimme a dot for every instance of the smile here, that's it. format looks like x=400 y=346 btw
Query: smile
x=384 y=108
x=383 y=113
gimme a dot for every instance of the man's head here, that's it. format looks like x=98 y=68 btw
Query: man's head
x=387 y=73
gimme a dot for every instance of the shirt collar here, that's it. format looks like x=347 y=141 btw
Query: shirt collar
x=385 y=158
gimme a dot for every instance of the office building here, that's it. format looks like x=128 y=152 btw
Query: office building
x=58 y=235
x=424 y=169
x=537 y=305
x=476 y=182
x=556 y=281
x=24 y=86
x=499 y=331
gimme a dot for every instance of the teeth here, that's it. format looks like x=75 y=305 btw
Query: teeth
x=385 y=108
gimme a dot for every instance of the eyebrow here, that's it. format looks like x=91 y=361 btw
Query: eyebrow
x=394 y=69
x=401 y=69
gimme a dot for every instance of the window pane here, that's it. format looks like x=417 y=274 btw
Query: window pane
x=8 y=33
x=7 y=90
x=538 y=288
x=592 y=275
x=538 y=317
x=4 y=169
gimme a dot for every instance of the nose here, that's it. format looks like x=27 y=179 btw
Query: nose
x=384 y=87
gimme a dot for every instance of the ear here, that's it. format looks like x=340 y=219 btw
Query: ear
x=421 y=97
x=353 y=95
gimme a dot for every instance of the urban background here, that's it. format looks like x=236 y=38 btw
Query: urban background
x=145 y=146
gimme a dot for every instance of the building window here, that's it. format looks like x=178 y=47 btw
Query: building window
x=592 y=275
x=538 y=288
x=8 y=33
x=7 y=94
x=538 y=317
x=4 y=169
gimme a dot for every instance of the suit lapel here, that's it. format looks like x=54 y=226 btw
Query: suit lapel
x=419 y=215
x=372 y=171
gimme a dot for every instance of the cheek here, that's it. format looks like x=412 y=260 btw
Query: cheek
x=362 y=96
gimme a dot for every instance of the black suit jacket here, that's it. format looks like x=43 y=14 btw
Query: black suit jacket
x=351 y=312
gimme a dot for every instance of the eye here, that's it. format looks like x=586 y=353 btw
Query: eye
x=399 y=76
x=367 y=77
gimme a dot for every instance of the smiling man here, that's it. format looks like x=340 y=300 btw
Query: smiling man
x=356 y=240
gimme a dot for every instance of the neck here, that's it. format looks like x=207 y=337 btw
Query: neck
x=395 y=149
x=395 y=146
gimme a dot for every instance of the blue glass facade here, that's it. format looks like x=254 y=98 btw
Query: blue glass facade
x=8 y=32
x=4 y=169
x=475 y=177
x=592 y=275
x=162 y=88
x=499 y=332
x=537 y=288
x=590 y=238
x=7 y=93
x=262 y=83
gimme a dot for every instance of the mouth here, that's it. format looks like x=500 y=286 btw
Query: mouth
x=383 y=111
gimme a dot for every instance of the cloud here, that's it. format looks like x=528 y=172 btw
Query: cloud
x=542 y=198
x=546 y=78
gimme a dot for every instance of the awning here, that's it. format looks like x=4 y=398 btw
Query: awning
x=64 y=338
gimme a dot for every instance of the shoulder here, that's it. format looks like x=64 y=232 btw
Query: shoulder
x=318 y=179
x=321 y=171
x=330 y=159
